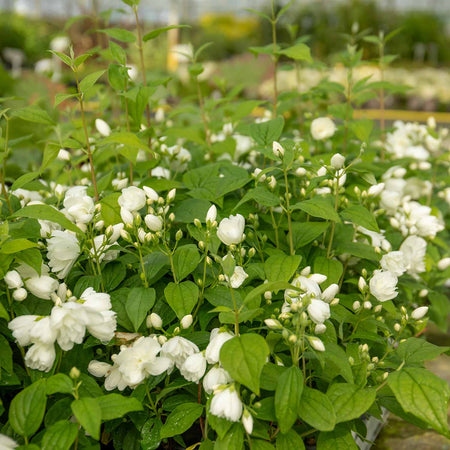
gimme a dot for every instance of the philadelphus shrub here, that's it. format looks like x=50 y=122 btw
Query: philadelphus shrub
x=194 y=275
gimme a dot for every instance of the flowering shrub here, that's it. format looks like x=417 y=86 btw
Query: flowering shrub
x=213 y=280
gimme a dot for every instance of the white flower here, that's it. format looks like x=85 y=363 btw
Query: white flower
x=226 y=404
x=69 y=321
x=322 y=128
x=126 y=216
x=330 y=293
x=100 y=249
x=161 y=172
x=6 y=443
x=277 y=149
x=140 y=360
x=79 y=207
x=13 y=280
x=419 y=313
x=316 y=343
x=443 y=263
x=21 y=327
x=337 y=161
x=390 y=201
x=186 y=321
x=132 y=199
x=375 y=190
x=394 y=262
x=41 y=331
x=63 y=251
x=40 y=356
x=154 y=321
x=102 y=127
x=383 y=285
x=247 y=421
x=414 y=249
x=238 y=277
x=193 y=367
x=214 y=378
x=177 y=349
x=154 y=223
x=216 y=340
x=231 y=230
x=211 y=214
x=318 y=311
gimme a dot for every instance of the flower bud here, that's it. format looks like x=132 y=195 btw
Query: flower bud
x=154 y=321
x=178 y=235
x=367 y=305
x=423 y=293
x=154 y=223
x=247 y=421
x=20 y=294
x=362 y=285
x=337 y=161
x=171 y=217
x=419 y=313
x=127 y=216
x=211 y=215
x=320 y=328
x=171 y=195
x=74 y=373
x=356 y=305
x=186 y=321
x=273 y=324
x=277 y=149
x=13 y=280
x=316 y=343
x=150 y=193
x=397 y=327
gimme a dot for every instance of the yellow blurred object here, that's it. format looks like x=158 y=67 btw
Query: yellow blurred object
x=398 y=114
x=229 y=25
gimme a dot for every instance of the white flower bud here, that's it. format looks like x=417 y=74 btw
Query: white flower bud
x=320 y=328
x=367 y=305
x=444 y=263
x=150 y=193
x=154 y=321
x=337 y=161
x=154 y=223
x=13 y=280
x=186 y=321
x=211 y=215
x=397 y=327
x=419 y=313
x=316 y=343
x=277 y=149
x=356 y=305
x=300 y=172
x=102 y=127
x=20 y=294
x=247 y=421
x=127 y=216
x=376 y=189
x=273 y=324
x=362 y=285
x=171 y=195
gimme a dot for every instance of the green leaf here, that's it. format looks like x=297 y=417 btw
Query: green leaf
x=359 y=249
x=317 y=410
x=265 y=133
x=139 y=302
x=130 y=144
x=185 y=260
x=340 y=438
x=114 y=406
x=110 y=209
x=287 y=397
x=349 y=401
x=117 y=77
x=23 y=180
x=6 y=355
x=89 y=415
x=318 y=207
x=281 y=267
x=414 y=350
x=119 y=34
x=60 y=436
x=59 y=383
x=17 y=245
x=181 y=419
x=272 y=286
x=89 y=80
x=243 y=357
x=64 y=58
x=336 y=362
x=299 y=52
x=359 y=215
x=33 y=114
x=46 y=212
x=422 y=394
x=362 y=129
x=50 y=154
x=233 y=439
x=155 y=33
x=181 y=297
x=332 y=268
x=260 y=195
x=28 y=408
x=118 y=53
x=59 y=98
x=305 y=232
x=289 y=441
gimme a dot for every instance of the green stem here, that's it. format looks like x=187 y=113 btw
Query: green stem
x=333 y=223
x=86 y=135
x=3 y=171
x=288 y=213
x=141 y=260
x=236 y=313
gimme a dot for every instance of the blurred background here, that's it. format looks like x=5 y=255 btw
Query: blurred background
x=28 y=28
